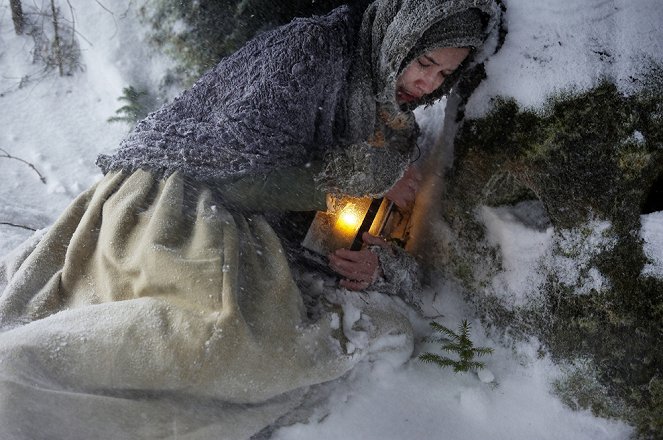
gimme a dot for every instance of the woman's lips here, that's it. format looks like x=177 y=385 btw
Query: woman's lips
x=405 y=96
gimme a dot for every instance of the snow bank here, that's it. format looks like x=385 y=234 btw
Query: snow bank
x=529 y=256
x=521 y=248
x=419 y=401
x=570 y=44
x=58 y=124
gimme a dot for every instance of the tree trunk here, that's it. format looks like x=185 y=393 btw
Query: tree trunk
x=17 y=15
x=56 y=39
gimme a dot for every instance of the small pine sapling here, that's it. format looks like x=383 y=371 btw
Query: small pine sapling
x=135 y=108
x=456 y=342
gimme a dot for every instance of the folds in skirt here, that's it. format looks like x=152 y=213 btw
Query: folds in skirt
x=147 y=294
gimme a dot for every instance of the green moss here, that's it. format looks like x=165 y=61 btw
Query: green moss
x=589 y=155
x=652 y=420
x=578 y=154
x=580 y=389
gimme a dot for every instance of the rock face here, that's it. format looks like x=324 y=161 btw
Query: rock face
x=586 y=168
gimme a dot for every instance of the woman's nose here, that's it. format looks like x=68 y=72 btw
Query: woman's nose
x=428 y=83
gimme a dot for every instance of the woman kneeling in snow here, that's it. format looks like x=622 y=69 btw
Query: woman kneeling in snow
x=166 y=277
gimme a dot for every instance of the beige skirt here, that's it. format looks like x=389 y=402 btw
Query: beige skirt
x=146 y=284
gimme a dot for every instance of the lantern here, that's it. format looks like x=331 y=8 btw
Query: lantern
x=344 y=223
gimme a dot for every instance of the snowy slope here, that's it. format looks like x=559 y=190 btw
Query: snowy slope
x=559 y=45
x=59 y=125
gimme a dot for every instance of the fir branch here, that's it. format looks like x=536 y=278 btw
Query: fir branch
x=433 y=358
x=442 y=329
x=454 y=348
x=483 y=351
x=135 y=107
x=475 y=365
x=458 y=342
x=6 y=155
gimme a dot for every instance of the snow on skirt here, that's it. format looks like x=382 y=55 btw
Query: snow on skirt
x=147 y=295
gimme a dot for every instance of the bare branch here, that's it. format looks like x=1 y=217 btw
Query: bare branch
x=17 y=16
x=17 y=226
x=6 y=155
x=83 y=37
x=112 y=15
x=104 y=7
x=56 y=39
x=74 y=31
x=73 y=22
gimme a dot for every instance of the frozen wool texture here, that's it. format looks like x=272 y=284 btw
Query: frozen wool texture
x=271 y=103
x=402 y=274
x=316 y=87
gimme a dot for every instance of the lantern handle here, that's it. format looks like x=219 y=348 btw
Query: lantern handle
x=366 y=223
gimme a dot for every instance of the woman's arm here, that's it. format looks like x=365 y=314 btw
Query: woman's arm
x=380 y=265
x=288 y=189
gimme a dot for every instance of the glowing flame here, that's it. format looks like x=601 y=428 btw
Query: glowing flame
x=348 y=220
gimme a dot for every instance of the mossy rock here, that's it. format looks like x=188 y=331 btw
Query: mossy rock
x=586 y=156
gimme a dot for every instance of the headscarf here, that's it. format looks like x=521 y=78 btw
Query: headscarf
x=394 y=32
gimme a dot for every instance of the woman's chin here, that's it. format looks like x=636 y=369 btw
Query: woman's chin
x=405 y=98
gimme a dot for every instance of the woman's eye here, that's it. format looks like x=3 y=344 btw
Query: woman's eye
x=422 y=64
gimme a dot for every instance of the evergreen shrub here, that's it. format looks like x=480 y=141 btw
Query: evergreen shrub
x=198 y=33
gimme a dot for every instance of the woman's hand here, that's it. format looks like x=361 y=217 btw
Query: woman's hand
x=405 y=190
x=359 y=268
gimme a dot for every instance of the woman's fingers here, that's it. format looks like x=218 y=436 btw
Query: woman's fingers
x=361 y=256
x=372 y=240
x=362 y=270
x=360 y=267
x=400 y=195
x=405 y=190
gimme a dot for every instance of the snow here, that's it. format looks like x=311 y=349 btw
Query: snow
x=529 y=255
x=421 y=402
x=59 y=125
x=575 y=249
x=652 y=234
x=418 y=400
x=570 y=45
x=521 y=248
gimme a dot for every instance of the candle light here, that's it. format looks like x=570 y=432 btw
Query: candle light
x=348 y=220
x=344 y=223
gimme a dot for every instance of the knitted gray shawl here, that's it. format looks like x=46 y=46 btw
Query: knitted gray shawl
x=317 y=88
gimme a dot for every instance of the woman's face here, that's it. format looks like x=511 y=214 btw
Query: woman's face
x=426 y=73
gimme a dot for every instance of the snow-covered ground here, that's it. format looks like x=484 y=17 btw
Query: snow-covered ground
x=562 y=45
x=59 y=125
